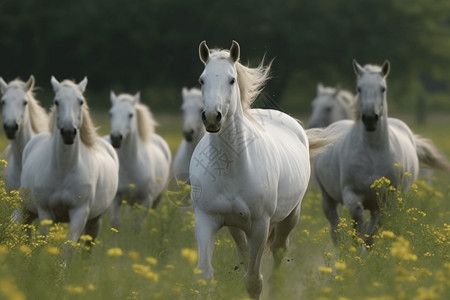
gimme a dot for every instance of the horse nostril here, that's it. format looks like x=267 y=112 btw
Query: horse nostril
x=376 y=117
x=203 y=116
x=74 y=131
x=218 y=117
x=16 y=127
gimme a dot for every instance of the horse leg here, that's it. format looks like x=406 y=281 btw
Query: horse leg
x=78 y=219
x=156 y=201
x=206 y=228
x=280 y=241
x=372 y=227
x=241 y=243
x=114 y=212
x=354 y=204
x=330 y=209
x=43 y=215
x=92 y=228
x=257 y=239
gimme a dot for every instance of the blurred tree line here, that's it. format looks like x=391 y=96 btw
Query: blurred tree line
x=151 y=45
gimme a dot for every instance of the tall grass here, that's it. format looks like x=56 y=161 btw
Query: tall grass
x=410 y=258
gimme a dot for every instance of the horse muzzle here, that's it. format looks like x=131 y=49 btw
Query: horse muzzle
x=116 y=140
x=212 y=121
x=11 y=130
x=68 y=135
x=370 y=121
x=188 y=135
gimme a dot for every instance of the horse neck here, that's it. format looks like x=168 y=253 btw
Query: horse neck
x=343 y=109
x=379 y=139
x=65 y=156
x=235 y=134
x=131 y=145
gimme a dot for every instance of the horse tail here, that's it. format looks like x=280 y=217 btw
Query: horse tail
x=429 y=156
x=319 y=139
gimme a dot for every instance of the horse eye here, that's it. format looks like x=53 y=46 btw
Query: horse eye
x=25 y=103
x=201 y=81
x=56 y=102
x=2 y=102
x=359 y=90
x=130 y=115
x=383 y=89
x=81 y=102
x=232 y=80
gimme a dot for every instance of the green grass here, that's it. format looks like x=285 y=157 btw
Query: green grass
x=409 y=260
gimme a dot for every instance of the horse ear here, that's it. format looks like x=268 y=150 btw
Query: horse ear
x=112 y=97
x=82 y=85
x=385 y=68
x=184 y=91
x=357 y=68
x=337 y=90
x=319 y=87
x=3 y=85
x=235 y=51
x=29 y=85
x=55 y=83
x=203 y=52
x=137 y=97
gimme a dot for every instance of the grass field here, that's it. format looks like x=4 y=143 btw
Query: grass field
x=409 y=260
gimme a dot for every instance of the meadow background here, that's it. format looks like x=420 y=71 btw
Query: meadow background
x=409 y=260
x=152 y=46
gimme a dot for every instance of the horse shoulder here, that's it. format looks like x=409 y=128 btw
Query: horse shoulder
x=163 y=146
x=182 y=158
x=35 y=144
x=400 y=127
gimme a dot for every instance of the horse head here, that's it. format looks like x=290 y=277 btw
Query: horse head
x=371 y=92
x=68 y=104
x=123 y=116
x=14 y=104
x=219 y=83
x=192 y=109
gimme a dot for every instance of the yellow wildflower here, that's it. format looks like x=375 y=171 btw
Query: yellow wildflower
x=340 y=265
x=46 y=222
x=114 y=252
x=325 y=270
x=190 y=255
x=86 y=238
x=52 y=250
x=387 y=234
x=400 y=249
x=151 y=260
x=134 y=255
x=74 y=289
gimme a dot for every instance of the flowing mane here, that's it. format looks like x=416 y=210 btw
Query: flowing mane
x=88 y=131
x=372 y=68
x=251 y=81
x=145 y=121
x=37 y=114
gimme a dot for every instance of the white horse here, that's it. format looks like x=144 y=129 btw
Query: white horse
x=193 y=131
x=71 y=174
x=331 y=105
x=364 y=150
x=144 y=156
x=250 y=171
x=23 y=118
